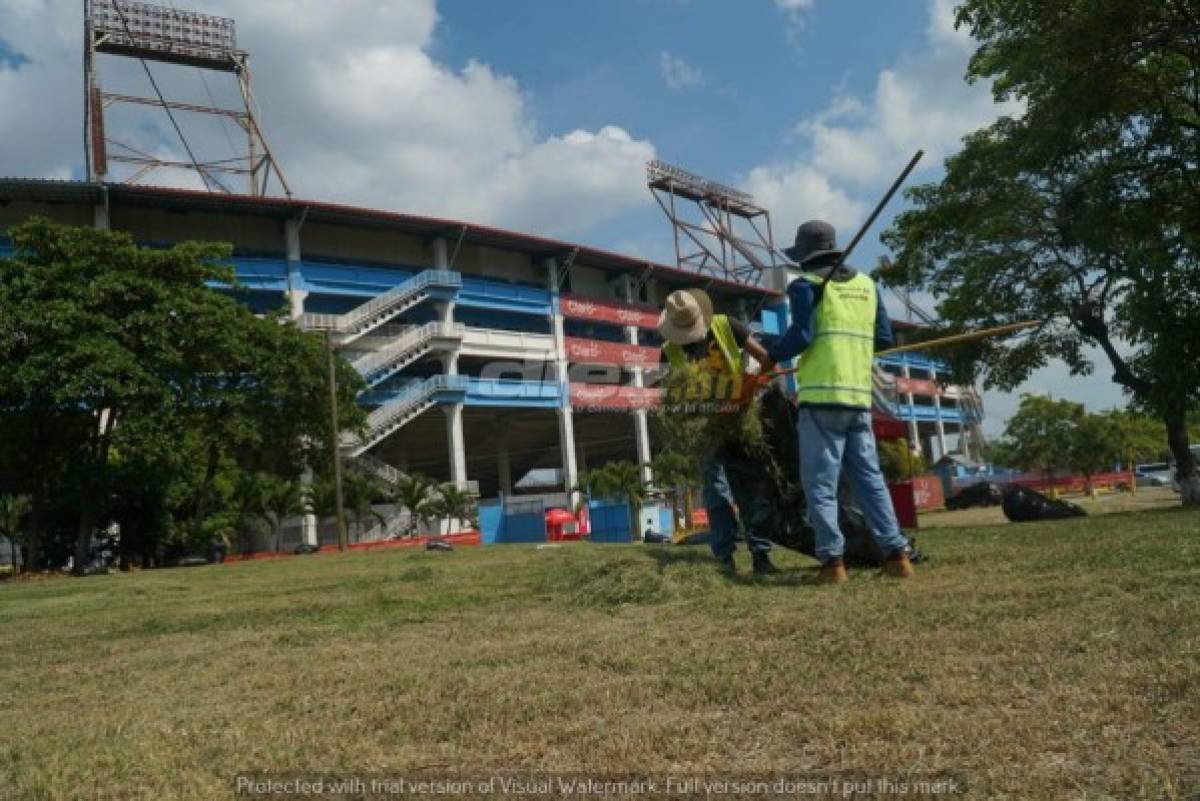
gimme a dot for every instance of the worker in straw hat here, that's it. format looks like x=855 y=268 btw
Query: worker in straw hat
x=838 y=322
x=694 y=334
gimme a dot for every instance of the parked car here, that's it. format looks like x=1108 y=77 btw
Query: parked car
x=1159 y=474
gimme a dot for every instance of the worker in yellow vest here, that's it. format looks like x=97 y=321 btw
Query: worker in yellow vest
x=838 y=322
x=693 y=333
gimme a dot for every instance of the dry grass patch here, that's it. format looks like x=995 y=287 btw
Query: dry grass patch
x=1038 y=661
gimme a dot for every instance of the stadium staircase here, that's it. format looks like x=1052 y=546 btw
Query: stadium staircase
x=381 y=364
x=361 y=320
x=397 y=412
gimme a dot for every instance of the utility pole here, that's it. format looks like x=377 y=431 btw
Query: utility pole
x=334 y=443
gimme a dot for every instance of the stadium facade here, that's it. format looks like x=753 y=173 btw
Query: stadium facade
x=488 y=354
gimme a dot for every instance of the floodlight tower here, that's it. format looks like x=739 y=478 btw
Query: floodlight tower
x=167 y=35
x=731 y=235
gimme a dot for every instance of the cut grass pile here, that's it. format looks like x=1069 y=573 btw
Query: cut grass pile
x=1041 y=661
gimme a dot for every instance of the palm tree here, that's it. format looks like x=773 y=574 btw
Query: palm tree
x=249 y=498
x=413 y=492
x=619 y=480
x=453 y=503
x=678 y=472
x=360 y=492
x=13 y=509
x=282 y=498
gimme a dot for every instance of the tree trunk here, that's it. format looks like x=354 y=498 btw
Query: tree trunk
x=83 y=538
x=12 y=551
x=31 y=553
x=1185 y=464
x=210 y=473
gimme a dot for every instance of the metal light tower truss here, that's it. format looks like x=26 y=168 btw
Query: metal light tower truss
x=154 y=33
x=719 y=231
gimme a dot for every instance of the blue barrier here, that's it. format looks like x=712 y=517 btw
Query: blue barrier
x=609 y=521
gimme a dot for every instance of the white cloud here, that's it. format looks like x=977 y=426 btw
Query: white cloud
x=796 y=12
x=677 y=73
x=355 y=109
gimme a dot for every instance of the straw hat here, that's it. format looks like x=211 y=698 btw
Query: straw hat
x=686 y=316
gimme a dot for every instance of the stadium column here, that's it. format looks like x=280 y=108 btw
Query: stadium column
x=441 y=261
x=937 y=406
x=458 y=449
x=914 y=436
x=641 y=425
x=566 y=415
x=296 y=296
x=295 y=279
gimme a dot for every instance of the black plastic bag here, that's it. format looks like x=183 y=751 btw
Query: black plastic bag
x=1023 y=505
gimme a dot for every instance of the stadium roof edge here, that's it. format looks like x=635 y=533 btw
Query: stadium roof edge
x=68 y=191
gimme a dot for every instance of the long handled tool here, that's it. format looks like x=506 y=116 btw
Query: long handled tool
x=953 y=339
x=874 y=214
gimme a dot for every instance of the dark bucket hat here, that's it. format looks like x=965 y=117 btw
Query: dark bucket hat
x=814 y=239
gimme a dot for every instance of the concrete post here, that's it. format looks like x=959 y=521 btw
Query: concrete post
x=295 y=278
x=458 y=449
x=641 y=427
x=450 y=362
x=914 y=435
x=441 y=258
x=566 y=435
x=937 y=405
x=308 y=523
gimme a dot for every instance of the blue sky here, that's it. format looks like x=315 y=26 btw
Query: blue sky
x=539 y=115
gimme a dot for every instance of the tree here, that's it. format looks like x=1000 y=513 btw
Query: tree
x=453 y=503
x=110 y=347
x=414 y=493
x=1095 y=445
x=14 y=509
x=1081 y=211
x=898 y=462
x=1039 y=436
x=619 y=480
x=281 y=498
x=676 y=471
x=360 y=491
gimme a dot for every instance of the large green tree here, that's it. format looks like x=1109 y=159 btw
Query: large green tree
x=1081 y=210
x=112 y=348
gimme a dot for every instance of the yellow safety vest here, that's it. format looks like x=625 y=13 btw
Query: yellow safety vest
x=731 y=356
x=836 y=367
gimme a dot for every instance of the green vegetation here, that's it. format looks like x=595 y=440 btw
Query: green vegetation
x=1080 y=211
x=1048 y=436
x=1040 y=661
x=133 y=393
x=619 y=480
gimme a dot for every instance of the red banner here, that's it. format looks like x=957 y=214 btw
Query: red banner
x=917 y=386
x=613 y=396
x=928 y=492
x=608 y=311
x=594 y=351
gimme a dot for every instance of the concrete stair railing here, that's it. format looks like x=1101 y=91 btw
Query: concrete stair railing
x=375 y=312
x=402 y=351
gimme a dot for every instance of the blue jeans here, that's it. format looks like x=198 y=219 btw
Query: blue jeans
x=827 y=436
x=720 y=496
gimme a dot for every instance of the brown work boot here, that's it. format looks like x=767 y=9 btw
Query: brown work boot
x=832 y=572
x=897 y=565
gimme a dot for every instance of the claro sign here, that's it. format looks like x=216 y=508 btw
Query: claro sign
x=607 y=311
x=593 y=351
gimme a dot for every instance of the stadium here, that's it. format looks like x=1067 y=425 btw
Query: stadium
x=495 y=360
x=502 y=362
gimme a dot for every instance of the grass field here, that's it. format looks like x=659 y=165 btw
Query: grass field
x=1044 y=661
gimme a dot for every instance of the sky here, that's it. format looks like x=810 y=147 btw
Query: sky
x=539 y=116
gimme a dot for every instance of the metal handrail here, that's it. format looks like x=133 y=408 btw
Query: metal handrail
x=397 y=407
x=344 y=323
x=396 y=349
